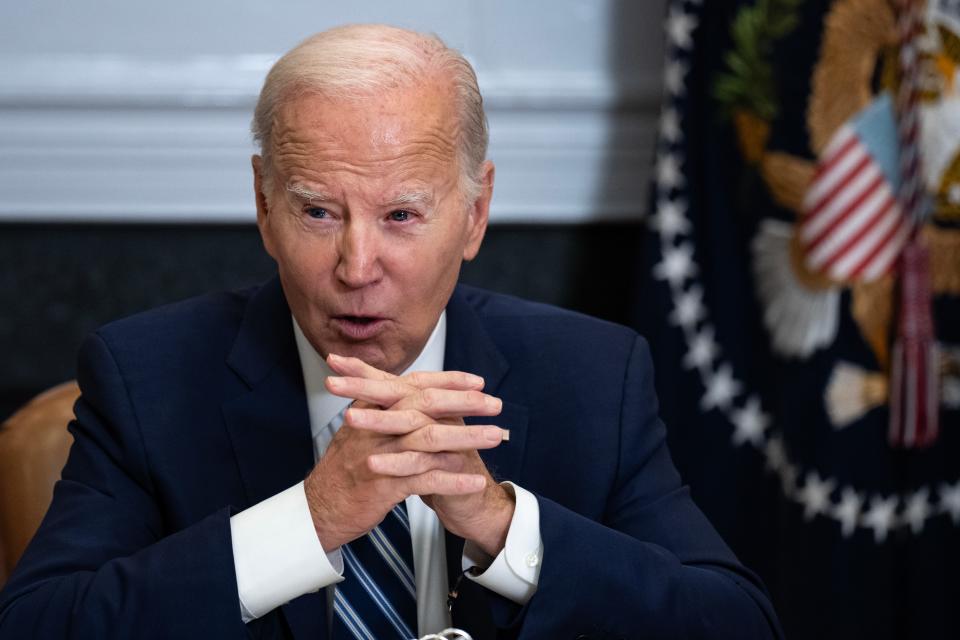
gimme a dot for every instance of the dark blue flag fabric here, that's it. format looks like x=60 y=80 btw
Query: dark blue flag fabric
x=776 y=298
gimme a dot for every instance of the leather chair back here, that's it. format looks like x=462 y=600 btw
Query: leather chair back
x=34 y=443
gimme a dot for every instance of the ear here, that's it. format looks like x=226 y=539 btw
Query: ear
x=263 y=210
x=479 y=213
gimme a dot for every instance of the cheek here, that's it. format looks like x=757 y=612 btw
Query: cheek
x=305 y=260
x=429 y=272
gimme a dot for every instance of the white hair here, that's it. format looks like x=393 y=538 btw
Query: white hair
x=361 y=60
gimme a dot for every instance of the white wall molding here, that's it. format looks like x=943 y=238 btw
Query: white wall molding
x=234 y=81
x=108 y=137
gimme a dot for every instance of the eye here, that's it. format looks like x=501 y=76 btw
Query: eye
x=400 y=215
x=318 y=213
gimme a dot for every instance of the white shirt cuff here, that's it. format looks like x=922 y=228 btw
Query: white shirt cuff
x=277 y=554
x=515 y=572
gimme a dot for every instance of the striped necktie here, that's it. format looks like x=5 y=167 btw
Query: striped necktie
x=377 y=599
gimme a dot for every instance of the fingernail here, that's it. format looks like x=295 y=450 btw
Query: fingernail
x=475 y=380
x=334 y=381
x=493 y=434
x=505 y=434
x=494 y=403
x=334 y=356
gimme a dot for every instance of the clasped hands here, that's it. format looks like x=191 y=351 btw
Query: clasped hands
x=402 y=436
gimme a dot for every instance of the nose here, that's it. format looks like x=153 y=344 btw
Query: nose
x=359 y=255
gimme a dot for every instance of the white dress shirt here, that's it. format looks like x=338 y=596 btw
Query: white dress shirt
x=278 y=556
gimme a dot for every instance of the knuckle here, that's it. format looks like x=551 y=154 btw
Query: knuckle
x=412 y=417
x=416 y=379
x=429 y=398
x=430 y=436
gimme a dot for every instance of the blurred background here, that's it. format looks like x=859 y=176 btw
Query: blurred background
x=653 y=160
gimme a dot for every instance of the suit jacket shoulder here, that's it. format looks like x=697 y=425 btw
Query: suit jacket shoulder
x=532 y=332
x=194 y=329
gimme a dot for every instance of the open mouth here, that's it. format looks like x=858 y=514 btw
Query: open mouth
x=359 y=327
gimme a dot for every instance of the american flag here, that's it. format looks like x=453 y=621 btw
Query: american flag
x=853 y=227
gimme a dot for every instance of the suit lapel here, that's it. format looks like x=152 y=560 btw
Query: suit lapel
x=470 y=348
x=269 y=425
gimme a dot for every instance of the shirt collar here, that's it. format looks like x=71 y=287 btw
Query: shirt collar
x=324 y=406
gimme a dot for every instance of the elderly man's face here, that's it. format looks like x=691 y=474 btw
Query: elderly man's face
x=366 y=221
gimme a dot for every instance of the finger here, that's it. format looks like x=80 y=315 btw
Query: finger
x=411 y=463
x=442 y=437
x=398 y=422
x=441 y=403
x=444 y=483
x=355 y=367
x=382 y=393
x=396 y=394
x=443 y=380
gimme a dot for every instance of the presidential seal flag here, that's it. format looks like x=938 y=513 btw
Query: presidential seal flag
x=802 y=298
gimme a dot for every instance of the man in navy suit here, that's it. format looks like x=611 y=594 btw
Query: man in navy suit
x=234 y=452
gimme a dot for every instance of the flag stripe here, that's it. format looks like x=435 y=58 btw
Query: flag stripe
x=867 y=242
x=886 y=257
x=866 y=209
x=820 y=219
x=833 y=166
x=856 y=161
x=832 y=172
x=838 y=144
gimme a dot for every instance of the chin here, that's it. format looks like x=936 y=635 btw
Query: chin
x=372 y=354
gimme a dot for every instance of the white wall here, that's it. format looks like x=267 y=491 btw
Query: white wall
x=127 y=110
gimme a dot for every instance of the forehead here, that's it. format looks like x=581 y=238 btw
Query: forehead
x=398 y=131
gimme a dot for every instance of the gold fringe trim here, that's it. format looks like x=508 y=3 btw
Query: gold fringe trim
x=944 y=247
x=855 y=33
x=872 y=309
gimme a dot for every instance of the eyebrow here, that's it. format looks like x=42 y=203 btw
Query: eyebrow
x=411 y=198
x=404 y=199
x=307 y=194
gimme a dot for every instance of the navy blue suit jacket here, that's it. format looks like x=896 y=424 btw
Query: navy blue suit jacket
x=195 y=411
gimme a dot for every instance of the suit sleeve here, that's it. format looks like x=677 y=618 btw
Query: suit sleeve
x=100 y=565
x=654 y=567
